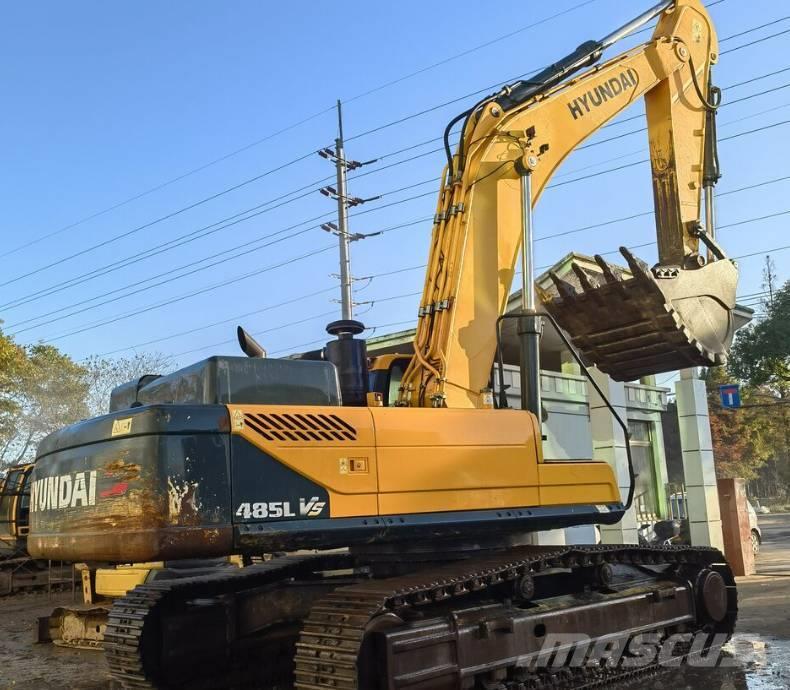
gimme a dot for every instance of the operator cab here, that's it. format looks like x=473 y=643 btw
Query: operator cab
x=385 y=374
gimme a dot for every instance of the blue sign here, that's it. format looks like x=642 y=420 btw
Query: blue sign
x=730 y=395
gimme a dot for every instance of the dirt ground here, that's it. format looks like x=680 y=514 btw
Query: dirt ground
x=759 y=652
x=25 y=665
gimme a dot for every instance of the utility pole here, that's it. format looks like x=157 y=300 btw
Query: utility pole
x=346 y=301
x=344 y=202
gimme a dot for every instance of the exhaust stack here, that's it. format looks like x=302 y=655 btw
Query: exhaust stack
x=248 y=344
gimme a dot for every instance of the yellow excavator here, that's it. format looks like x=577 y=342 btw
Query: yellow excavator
x=407 y=519
x=17 y=569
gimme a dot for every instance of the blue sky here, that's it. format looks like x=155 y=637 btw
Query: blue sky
x=104 y=101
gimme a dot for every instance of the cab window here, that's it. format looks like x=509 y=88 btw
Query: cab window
x=397 y=370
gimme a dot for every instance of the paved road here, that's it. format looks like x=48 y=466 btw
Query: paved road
x=765 y=597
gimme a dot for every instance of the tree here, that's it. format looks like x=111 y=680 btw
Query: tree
x=760 y=359
x=47 y=391
x=12 y=361
x=105 y=374
x=761 y=353
x=742 y=439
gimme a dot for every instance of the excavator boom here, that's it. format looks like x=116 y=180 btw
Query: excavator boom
x=674 y=315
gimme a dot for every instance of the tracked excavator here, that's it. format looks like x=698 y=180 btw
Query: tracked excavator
x=406 y=511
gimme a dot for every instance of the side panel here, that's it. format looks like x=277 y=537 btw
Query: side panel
x=577 y=483
x=419 y=460
x=265 y=489
x=327 y=477
x=329 y=448
x=455 y=459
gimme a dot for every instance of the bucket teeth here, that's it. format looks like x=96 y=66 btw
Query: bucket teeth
x=584 y=279
x=608 y=273
x=564 y=289
x=639 y=268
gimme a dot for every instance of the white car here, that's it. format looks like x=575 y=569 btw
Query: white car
x=677 y=502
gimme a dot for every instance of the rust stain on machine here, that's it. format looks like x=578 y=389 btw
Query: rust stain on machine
x=100 y=487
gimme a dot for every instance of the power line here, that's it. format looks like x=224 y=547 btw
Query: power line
x=187 y=238
x=278 y=133
x=190 y=264
x=468 y=51
x=289 y=324
x=757 y=40
x=180 y=298
x=255 y=312
x=755 y=28
x=238 y=317
x=196 y=293
x=723 y=105
x=499 y=84
x=726 y=226
x=601 y=224
x=272 y=205
x=118 y=318
x=181 y=240
x=763 y=251
x=266 y=173
x=754 y=79
x=156 y=221
x=138 y=290
x=282 y=131
x=647 y=160
x=640 y=150
x=303 y=297
x=169 y=278
x=167 y=183
x=281 y=327
x=643 y=214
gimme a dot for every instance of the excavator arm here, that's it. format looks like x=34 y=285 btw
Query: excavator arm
x=679 y=313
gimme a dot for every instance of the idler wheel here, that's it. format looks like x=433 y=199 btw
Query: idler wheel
x=712 y=595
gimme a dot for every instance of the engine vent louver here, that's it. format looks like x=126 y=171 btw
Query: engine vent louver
x=301 y=427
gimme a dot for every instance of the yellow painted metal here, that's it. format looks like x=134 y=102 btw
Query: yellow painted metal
x=117 y=581
x=75 y=628
x=384 y=362
x=572 y=482
x=418 y=460
x=476 y=240
x=323 y=461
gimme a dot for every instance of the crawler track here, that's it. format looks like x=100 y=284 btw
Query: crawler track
x=330 y=652
x=140 y=634
x=168 y=634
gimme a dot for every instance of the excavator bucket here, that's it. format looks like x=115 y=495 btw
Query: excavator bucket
x=642 y=321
